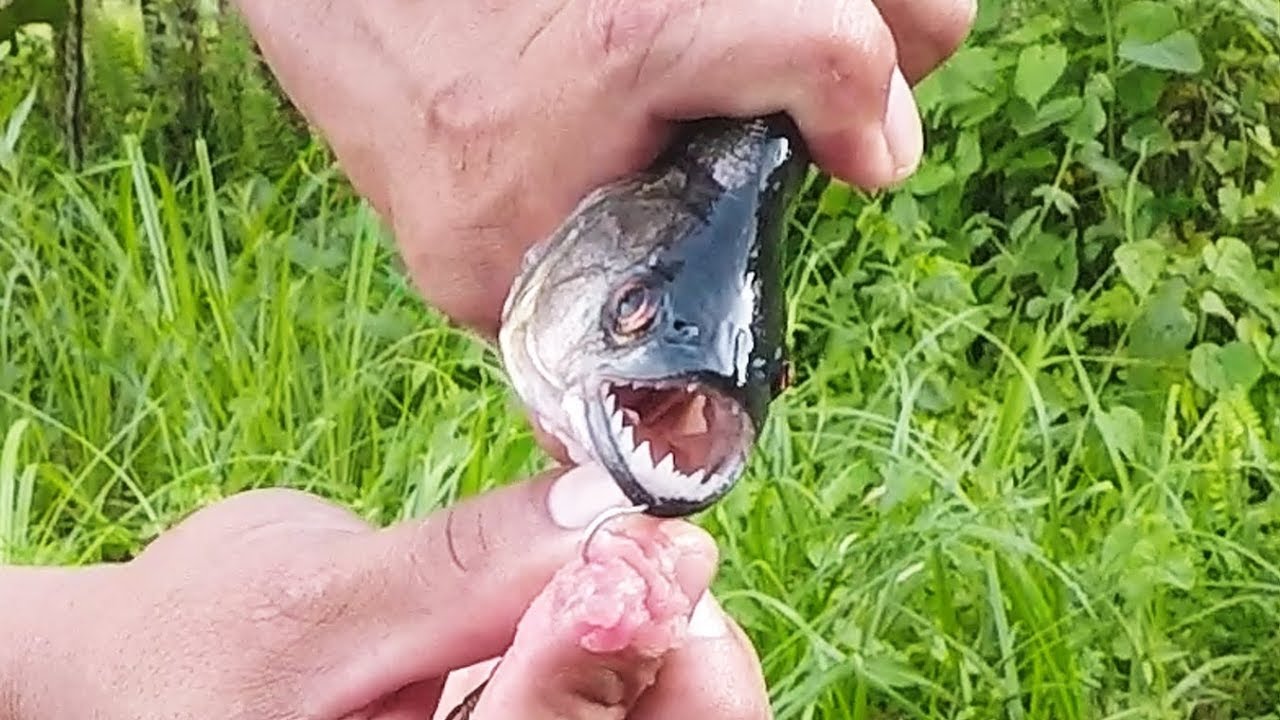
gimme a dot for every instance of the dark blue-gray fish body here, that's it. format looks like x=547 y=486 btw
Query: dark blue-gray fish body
x=646 y=333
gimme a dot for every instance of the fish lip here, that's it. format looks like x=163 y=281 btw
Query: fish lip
x=604 y=444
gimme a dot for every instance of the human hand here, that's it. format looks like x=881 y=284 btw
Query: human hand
x=475 y=126
x=275 y=604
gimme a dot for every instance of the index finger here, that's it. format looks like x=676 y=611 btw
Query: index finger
x=415 y=600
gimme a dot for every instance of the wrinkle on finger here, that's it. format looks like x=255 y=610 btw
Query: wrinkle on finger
x=826 y=61
x=829 y=64
x=640 y=41
x=852 y=89
x=540 y=28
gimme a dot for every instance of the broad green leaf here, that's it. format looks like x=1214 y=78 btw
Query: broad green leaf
x=1039 y=158
x=1141 y=89
x=1039 y=68
x=1206 y=367
x=1177 y=52
x=1053 y=260
x=1051 y=113
x=1219 y=369
x=1231 y=262
x=988 y=15
x=1101 y=87
x=1232 y=203
x=931 y=177
x=836 y=196
x=1087 y=123
x=1115 y=304
x=1109 y=171
x=1031 y=29
x=968 y=154
x=1121 y=427
x=1146 y=20
x=1211 y=303
x=1148 y=132
x=904 y=209
x=1241 y=366
x=1140 y=263
x=1164 y=326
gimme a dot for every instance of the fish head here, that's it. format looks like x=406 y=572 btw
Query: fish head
x=646 y=333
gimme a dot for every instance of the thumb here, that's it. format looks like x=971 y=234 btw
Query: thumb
x=424 y=597
x=593 y=641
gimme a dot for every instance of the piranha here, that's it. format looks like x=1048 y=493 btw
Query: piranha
x=646 y=332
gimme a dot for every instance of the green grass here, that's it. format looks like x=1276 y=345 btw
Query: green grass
x=1029 y=469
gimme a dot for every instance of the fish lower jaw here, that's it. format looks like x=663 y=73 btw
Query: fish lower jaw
x=662 y=477
x=665 y=482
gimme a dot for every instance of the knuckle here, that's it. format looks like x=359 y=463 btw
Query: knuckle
x=879 y=50
x=848 y=45
x=459 y=115
x=308 y=594
x=628 y=35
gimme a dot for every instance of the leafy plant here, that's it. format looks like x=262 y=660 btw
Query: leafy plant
x=1029 y=465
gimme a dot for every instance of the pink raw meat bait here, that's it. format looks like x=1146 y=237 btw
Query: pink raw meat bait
x=624 y=597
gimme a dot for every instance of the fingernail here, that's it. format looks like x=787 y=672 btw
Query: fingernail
x=578 y=496
x=707 y=619
x=902 y=130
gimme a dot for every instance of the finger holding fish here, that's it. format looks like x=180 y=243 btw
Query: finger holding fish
x=832 y=65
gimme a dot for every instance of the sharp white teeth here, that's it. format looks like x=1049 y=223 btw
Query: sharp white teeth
x=699 y=476
x=642 y=453
x=615 y=420
x=627 y=438
x=667 y=464
x=611 y=402
x=690 y=388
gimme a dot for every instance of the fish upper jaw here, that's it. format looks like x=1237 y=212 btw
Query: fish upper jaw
x=675 y=446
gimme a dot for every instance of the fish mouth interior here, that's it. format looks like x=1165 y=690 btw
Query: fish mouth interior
x=681 y=439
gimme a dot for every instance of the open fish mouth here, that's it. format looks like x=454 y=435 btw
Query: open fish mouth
x=676 y=445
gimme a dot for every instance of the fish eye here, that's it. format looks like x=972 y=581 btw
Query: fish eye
x=634 y=308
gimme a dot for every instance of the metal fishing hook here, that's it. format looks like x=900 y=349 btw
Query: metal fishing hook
x=468 y=705
x=601 y=519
